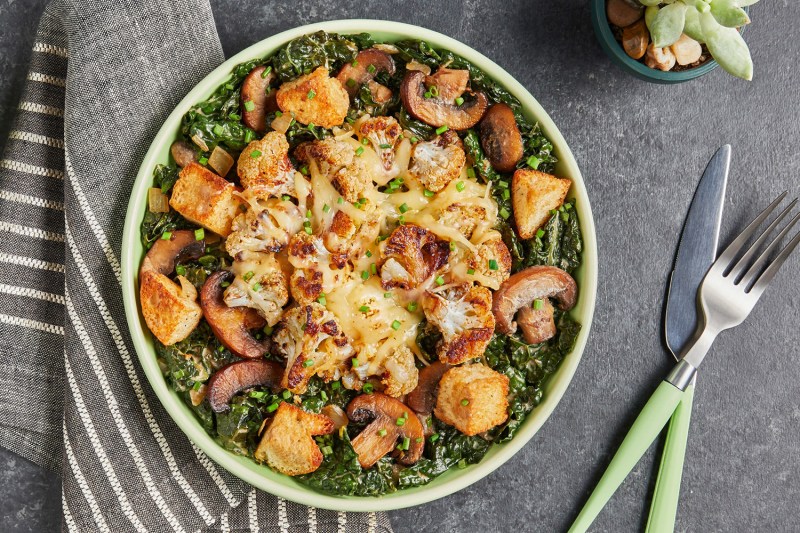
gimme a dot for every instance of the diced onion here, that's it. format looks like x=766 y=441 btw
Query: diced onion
x=281 y=123
x=385 y=47
x=196 y=139
x=335 y=413
x=157 y=201
x=414 y=65
x=220 y=160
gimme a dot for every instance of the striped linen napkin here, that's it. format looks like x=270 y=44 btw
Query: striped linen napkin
x=103 y=76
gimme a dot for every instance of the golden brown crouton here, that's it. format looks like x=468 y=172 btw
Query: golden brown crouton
x=264 y=167
x=288 y=445
x=437 y=162
x=315 y=98
x=491 y=260
x=534 y=195
x=472 y=398
x=170 y=311
x=205 y=198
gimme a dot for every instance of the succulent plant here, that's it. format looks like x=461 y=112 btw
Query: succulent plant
x=713 y=22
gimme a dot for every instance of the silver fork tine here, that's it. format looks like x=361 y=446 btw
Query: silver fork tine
x=753 y=271
x=773 y=268
x=725 y=260
x=741 y=265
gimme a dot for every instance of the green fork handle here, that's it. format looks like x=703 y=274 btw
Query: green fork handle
x=668 y=484
x=654 y=416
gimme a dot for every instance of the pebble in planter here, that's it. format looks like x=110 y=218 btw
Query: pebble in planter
x=683 y=34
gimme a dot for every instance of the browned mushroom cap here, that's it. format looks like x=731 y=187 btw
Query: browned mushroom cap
x=423 y=398
x=255 y=89
x=361 y=72
x=534 y=283
x=166 y=253
x=381 y=436
x=231 y=325
x=437 y=112
x=537 y=325
x=183 y=153
x=450 y=83
x=239 y=375
x=500 y=138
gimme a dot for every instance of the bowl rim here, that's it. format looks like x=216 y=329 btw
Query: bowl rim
x=261 y=476
x=613 y=49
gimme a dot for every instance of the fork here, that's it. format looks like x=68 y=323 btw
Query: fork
x=728 y=293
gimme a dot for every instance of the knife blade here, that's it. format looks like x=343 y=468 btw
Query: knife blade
x=697 y=250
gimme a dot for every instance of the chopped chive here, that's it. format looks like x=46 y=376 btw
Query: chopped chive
x=360 y=150
x=434 y=437
x=335 y=385
x=537 y=304
x=249 y=105
x=368 y=388
x=441 y=129
x=403 y=207
x=323 y=395
x=225 y=284
x=412 y=306
x=504 y=213
x=234 y=116
x=181 y=271
x=203 y=160
x=381 y=432
x=401 y=421
x=267 y=330
x=307 y=363
x=460 y=186
x=311 y=127
x=502 y=184
x=406 y=443
x=401 y=220
x=257 y=394
x=434 y=90
x=462 y=463
x=248 y=135
x=255 y=154
x=387 y=294
x=440 y=280
x=459 y=100
x=493 y=264
x=322 y=300
x=218 y=129
x=167 y=235
x=414 y=139
x=533 y=162
x=272 y=407
x=326 y=208
x=365 y=275
x=506 y=194
x=304 y=170
x=540 y=234
x=365 y=141
x=470 y=271
x=465 y=402
x=308 y=230
x=326 y=450
x=427 y=94
x=364 y=309
x=257 y=287
x=371 y=69
x=471 y=173
x=384 y=146
x=340 y=200
x=428 y=194
x=278 y=114
x=452 y=246
x=266 y=71
x=396 y=325
x=351 y=82
x=373 y=268
x=399 y=447
x=368 y=253
x=286 y=197
x=286 y=394
x=355 y=362
x=311 y=94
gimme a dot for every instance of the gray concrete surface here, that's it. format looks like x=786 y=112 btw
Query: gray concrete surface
x=642 y=148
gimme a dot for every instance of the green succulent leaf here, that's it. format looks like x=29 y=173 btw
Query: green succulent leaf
x=650 y=3
x=667 y=26
x=728 y=47
x=649 y=16
x=729 y=14
x=692 y=26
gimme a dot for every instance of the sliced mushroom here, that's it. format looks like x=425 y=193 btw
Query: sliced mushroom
x=182 y=246
x=359 y=71
x=537 y=325
x=255 y=89
x=231 y=325
x=534 y=283
x=623 y=13
x=500 y=138
x=635 y=39
x=423 y=398
x=183 y=153
x=238 y=376
x=386 y=428
x=437 y=112
x=450 y=83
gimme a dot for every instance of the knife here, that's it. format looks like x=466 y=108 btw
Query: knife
x=697 y=250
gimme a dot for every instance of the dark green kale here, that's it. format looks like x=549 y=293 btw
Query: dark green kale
x=155 y=224
x=319 y=394
x=304 y=54
x=428 y=337
x=238 y=428
x=558 y=244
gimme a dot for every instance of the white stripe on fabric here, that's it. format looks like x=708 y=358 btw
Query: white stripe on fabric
x=97 y=514
x=283 y=516
x=46 y=78
x=45 y=48
x=10 y=196
x=31 y=324
x=68 y=520
x=19 y=166
x=33 y=107
x=105 y=464
x=341 y=518
x=224 y=527
x=31 y=232
x=113 y=407
x=36 y=138
x=31 y=293
x=214 y=473
x=252 y=511
x=116 y=335
x=91 y=219
x=30 y=262
x=372 y=523
x=312 y=520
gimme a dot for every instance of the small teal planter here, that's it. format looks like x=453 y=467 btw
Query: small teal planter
x=615 y=51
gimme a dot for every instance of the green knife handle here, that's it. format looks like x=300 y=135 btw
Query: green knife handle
x=668 y=483
x=654 y=416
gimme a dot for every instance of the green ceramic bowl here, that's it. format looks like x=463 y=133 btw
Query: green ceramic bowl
x=261 y=476
x=617 y=54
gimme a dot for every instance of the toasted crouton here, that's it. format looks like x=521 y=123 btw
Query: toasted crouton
x=170 y=311
x=287 y=444
x=534 y=195
x=472 y=398
x=205 y=198
x=315 y=98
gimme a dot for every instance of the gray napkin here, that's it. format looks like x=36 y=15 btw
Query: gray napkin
x=103 y=77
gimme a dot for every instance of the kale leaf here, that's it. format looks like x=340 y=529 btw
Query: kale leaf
x=304 y=54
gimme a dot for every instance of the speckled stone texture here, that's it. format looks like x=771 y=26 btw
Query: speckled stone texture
x=641 y=148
